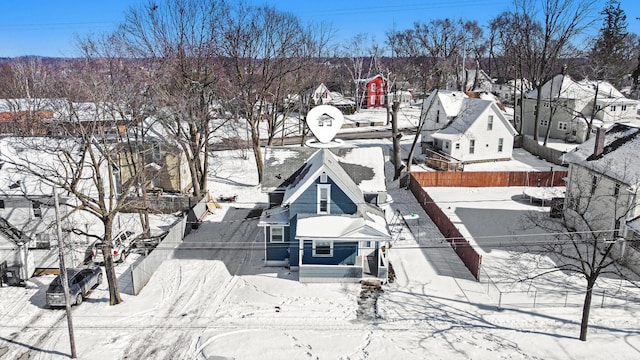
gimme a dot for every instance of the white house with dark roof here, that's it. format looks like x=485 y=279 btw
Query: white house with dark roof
x=568 y=105
x=480 y=132
x=439 y=108
x=324 y=219
x=603 y=184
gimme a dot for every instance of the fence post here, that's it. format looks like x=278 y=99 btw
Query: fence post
x=602 y=303
x=535 y=297
x=500 y=300
x=566 y=297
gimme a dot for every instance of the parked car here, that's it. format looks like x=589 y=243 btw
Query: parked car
x=120 y=249
x=81 y=281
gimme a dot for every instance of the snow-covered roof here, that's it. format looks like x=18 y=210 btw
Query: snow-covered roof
x=365 y=166
x=339 y=228
x=451 y=101
x=564 y=87
x=471 y=110
x=322 y=161
x=619 y=158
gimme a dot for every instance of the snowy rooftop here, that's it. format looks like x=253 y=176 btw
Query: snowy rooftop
x=451 y=101
x=619 y=159
x=364 y=165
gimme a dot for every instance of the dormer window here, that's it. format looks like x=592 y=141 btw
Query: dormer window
x=324 y=194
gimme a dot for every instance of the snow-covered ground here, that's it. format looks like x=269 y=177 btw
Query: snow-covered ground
x=214 y=299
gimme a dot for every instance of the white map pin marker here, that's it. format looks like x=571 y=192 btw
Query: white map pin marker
x=325 y=121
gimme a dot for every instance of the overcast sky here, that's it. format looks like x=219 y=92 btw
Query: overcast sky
x=49 y=28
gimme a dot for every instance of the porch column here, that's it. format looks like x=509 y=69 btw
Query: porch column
x=300 y=252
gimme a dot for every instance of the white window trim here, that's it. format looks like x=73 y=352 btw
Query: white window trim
x=330 y=254
x=328 y=187
x=271 y=234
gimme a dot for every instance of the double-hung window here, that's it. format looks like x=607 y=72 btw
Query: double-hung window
x=324 y=194
x=322 y=248
x=277 y=234
x=490 y=123
x=500 y=144
x=472 y=146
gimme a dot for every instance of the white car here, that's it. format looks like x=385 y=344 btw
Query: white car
x=120 y=249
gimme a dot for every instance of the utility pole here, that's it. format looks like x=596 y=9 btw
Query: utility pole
x=63 y=275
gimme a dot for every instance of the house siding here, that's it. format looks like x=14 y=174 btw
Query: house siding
x=344 y=253
x=277 y=251
x=307 y=203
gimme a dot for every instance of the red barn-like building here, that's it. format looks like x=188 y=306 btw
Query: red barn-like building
x=375 y=92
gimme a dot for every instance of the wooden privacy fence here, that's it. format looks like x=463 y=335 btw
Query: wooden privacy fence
x=489 y=178
x=469 y=256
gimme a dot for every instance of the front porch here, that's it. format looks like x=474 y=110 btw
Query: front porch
x=366 y=263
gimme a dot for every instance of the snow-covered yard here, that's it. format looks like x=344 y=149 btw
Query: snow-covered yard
x=216 y=300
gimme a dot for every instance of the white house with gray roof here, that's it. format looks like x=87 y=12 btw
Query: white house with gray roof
x=478 y=132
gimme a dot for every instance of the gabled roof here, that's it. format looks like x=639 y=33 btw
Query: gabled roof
x=365 y=166
x=322 y=161
x=564 y=87
x=619 y=160
x=470 y=111
x=451 y=101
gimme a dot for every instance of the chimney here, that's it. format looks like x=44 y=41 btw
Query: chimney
x=599 y=147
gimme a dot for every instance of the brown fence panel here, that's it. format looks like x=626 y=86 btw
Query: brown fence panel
x=489 y=178
x=469 y=256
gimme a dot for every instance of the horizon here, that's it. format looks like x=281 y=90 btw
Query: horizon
x=34 y=33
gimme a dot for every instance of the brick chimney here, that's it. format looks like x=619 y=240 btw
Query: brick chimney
x=598 y=149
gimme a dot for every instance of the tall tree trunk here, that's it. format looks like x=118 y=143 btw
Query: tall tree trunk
x=257 y=152
x=586 y=309
x=109 y=269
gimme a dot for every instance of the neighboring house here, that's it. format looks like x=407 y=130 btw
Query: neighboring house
x=166 y=167
x=479 y=132
x=27 y=207
x=323 y=218
x=323 y=96
x=510 y=90
x=439 y=108
x=87 y=117
x=379 y=95
x=567 y=105
x=605 y=171
x=25 y=117
x=477 y=80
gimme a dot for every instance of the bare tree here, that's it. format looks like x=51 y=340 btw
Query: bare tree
x=355 y=49
x=260 y=47
x=82 y=164
x=545 y=45
x=583 y=241
x=178 y=42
